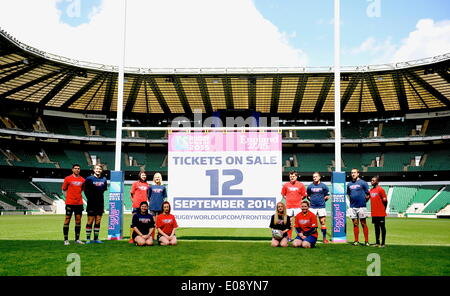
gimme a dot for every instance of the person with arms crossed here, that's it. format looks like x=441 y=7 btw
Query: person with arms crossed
x=306 y=226
x=358 y=193
x=94 y=189
x=293 y=192
x=72 y=188
x=157 y=195
x=378 y=204
x=166 y=225
x=143 y=225
x=318 y=193
x=281 y=222
x=138 y=194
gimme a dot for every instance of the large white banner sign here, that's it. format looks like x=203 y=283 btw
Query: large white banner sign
x=222 y=179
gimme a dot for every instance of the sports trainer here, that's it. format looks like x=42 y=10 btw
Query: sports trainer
x=72 y=188
x=378 y=204
x=358 y=193
x=166 y=226
x=280 y=221
x=293 y=192
x=138 y=194
x=318 y=193
x=143 y=225
x=94 y=189
x=306 y=226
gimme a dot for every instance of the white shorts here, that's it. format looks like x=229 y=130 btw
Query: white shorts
x=320 y=212
x=360 y=213
x=293 y=211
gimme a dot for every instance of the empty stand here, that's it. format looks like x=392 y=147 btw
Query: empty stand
x=398 y=129
x=311 y=162
x=394 y=161
x=71 y=126
x=439 y=126
x=52 y=189
x=440 y=202
x=425 y=193
x=402 y=197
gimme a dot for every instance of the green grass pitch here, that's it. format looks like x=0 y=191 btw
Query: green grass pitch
x=32 y=245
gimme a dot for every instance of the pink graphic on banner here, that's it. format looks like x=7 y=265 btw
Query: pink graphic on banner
x=221 y=141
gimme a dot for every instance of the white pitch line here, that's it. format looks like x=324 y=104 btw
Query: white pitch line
x=268 y=241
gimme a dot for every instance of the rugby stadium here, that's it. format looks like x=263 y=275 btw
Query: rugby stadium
x=57 y=111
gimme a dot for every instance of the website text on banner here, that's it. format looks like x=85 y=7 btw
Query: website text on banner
x=222 y=179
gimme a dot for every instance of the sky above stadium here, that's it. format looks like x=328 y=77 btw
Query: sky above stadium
x=231 y=33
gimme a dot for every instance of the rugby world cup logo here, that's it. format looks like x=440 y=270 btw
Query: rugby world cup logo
x=115 y=187
x=181 y=143
x=338 y=188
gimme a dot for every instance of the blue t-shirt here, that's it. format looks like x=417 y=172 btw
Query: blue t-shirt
x=317 y=194
x=94 y=188
x=357 y=191
x=157 y=194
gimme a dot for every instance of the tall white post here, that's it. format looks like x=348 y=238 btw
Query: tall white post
x=337 y=87
x=118 y=155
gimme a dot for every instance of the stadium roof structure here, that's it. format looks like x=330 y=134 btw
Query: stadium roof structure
x=50 y=82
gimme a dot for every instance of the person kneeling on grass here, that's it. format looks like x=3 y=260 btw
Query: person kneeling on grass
x=282 y=223
x=166 y=225
x=143 y=226
x=306 y=226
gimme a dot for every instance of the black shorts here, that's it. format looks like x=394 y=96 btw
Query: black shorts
x=77 y=209
x=95 y=211
x=155 y=213
x=379 y=220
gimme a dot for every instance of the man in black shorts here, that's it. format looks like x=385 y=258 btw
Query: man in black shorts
x=94 y=188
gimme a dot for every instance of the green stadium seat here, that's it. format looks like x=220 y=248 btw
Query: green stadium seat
x=425 y=193
x=397 y=129
x=402 y=198
x=314 y=135
x=440 y=202
x=311 y=162
x=438 y=127
x=74 y=127
x=51 y=189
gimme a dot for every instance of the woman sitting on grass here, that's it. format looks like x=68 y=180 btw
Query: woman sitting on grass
x=166 y=225
x=280 y=223
x=143 y=226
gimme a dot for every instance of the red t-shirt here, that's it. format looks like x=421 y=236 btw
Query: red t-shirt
x=294 y=194
x=378 y=201
x=166 y=223
x=139 y=190
x=306 y=221
x=73 y=187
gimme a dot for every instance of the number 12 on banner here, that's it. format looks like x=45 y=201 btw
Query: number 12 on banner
x=226 y=186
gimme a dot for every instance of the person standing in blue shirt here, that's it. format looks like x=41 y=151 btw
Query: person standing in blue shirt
x=157 y=194
x=358 y=193
x=95 y=187
x=318 y=193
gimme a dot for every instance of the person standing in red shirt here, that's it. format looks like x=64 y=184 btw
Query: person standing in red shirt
x=378 y=204
x=293 y=192
x=306 y=226
x=138 y=194
x=166 y=225
x=72 y=188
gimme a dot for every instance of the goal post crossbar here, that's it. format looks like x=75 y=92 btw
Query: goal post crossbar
x=190 y=129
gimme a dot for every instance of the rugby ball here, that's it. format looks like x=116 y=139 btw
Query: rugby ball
x=277 y=234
